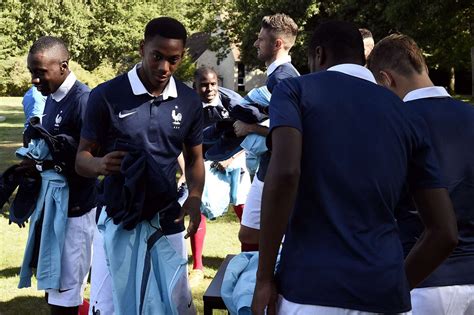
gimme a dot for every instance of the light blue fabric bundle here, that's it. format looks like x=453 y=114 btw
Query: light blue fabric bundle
x=239 y=282
x=52 y=207
x=213 y=203
x=254 y=144
x=148 y=276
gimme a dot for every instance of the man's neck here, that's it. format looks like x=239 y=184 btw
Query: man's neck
x=153 y=90
x=415 y=82
x=278 y=55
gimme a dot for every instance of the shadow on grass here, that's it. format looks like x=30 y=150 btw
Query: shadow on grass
x=10 y=272
x=24 y=305
x=209 y=262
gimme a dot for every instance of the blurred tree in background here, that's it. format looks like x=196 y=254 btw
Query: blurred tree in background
x=104 y=35
x=444 y=29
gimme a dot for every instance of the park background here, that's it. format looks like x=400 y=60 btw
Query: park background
x=103 y=37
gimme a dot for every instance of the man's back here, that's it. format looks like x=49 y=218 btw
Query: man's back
x=356 y=151
x=451 y=125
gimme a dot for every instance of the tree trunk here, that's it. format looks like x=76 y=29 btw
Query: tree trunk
x=452 y=81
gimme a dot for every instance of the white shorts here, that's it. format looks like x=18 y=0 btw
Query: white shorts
x=243 y=186
x=101 y=282
x=75 y=261
x=285 y=307
x=252 y=208
x=454 y=299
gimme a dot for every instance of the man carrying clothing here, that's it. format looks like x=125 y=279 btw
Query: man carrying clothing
x=277 y=36
x=342 y=150
x=398 y=64
x=64 y=110
x=227 y=181
x=158 y=115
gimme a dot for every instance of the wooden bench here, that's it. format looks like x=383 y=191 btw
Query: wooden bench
x=212 y=297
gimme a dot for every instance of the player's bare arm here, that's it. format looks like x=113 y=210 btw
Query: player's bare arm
x=242 y=129
x=88 y=165
x=440 y=236
x=279 y=195
x=194 y=169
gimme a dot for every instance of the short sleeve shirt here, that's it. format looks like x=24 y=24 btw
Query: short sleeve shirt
x=122 y=110
x=358 y=151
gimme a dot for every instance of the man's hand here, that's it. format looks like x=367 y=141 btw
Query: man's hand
x=110 y=163
x=242 y=129
x=191 y=207
x=264 y=298
x=222 y=165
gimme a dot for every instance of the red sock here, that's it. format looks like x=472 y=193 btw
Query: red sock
x=245 y=247
x=197 y=244
x=239 y=209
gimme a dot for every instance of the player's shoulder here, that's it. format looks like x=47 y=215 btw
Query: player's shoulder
x=185 y=92
x=116 y=87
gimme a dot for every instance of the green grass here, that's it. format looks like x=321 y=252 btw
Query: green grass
x=10 y=130
x=221 y=238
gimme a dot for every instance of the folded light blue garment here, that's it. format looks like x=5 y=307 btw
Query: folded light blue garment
x=148 y=276
x=220 y=190
x=48 y=220
x=253 y=144
x=239 y=282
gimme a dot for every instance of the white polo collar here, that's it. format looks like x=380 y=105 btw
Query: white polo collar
x=64 y=88
x=277 y=63
x=426 y=92
x=215 y=102
x=138 y=88
x=355 y=71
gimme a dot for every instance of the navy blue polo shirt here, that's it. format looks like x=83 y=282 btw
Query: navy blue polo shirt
x=275 y=75
x=360 y=144
x=63 y=114
x=451 y=125
x=122 y=109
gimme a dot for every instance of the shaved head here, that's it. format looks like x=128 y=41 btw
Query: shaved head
x=51 y=45
x=48 y=63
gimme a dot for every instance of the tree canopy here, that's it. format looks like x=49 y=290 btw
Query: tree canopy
x=103 y=36
x=444 y=29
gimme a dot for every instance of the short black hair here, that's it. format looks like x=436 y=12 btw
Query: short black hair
x=201 y=71
x=341 y=40
x=166 y=27
x=48 y=42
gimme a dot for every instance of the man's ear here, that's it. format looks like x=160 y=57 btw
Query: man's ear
x=386 y=79
x=64 y=66
x=320 y=55
x=279 y=44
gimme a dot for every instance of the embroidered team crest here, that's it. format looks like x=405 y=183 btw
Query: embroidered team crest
x=58 y=119
x=177 y=117
x=225 y=114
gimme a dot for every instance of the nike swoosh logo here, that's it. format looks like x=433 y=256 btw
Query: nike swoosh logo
x=62 y=291
x=127 y=114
